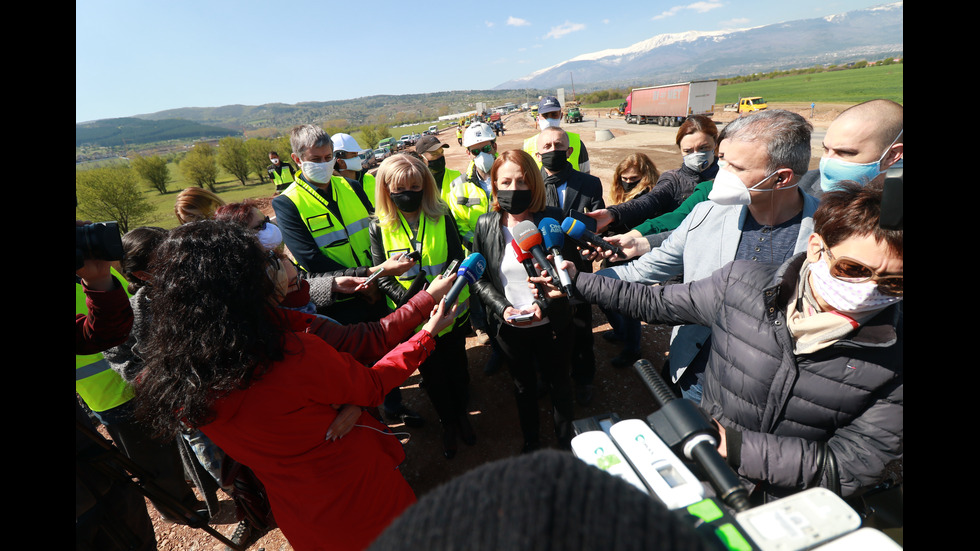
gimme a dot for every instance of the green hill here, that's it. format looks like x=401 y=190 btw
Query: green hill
x=116 y=132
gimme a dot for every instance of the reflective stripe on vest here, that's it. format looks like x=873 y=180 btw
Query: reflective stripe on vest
x=99 y=386
x=574 y=141
x=435 y=257
x=347 y=241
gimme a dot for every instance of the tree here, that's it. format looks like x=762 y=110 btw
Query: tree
x=111 y=193
x=154 y=171
x=200 y=166
x=258 y=155
x=374 y=134
x=233 y=157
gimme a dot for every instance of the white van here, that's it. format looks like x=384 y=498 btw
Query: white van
x=433 y=129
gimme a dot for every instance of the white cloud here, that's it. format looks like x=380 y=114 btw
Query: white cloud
x=517 y=22
x=488 y=23
x=563 y=29
x=605 y=21
x=736 y=23
x=700 y=7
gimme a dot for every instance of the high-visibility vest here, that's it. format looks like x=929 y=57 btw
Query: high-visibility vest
x=435 y=257
x=283 y=176
x=369 y=184
x=344 y=240
x=447 y=183
x=574 y=141
x=467 y=202
x=98 y=384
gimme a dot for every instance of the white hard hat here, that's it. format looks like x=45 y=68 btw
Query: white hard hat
x=345 y=142
x=478 y=132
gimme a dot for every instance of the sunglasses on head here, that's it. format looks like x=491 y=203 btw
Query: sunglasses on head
x=853 y=271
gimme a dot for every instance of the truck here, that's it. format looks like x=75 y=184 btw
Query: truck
x=746 y=105
x=670 y=104
x=573 y=113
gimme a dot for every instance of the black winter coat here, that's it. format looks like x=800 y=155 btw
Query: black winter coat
x=782 y=411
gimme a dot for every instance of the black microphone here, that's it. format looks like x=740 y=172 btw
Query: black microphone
x=469 y=272
x=553 y=239
x=530 y=240
x=578 y=232
x=525 y=258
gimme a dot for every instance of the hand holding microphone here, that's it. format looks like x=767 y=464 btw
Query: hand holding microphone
x=576 y=230
x=554 y=238
x=469 y=272
x=530 y=240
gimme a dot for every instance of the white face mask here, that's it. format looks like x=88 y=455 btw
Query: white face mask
x=728 y=189
x=353 y=164
x=699 y=160
x=274 y=161
x=270 y=236
x=844 y=296
x=318 y=172
x=548 y=123
x=484 y=162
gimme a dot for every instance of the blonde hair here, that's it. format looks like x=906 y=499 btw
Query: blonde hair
x=405 y=170
x=648 y=178
x=195 y=203
x=532 y=178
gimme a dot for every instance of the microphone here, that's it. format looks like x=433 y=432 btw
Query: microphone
x=469 y=272
x=525 y=258
x=577 y=231
x=530 y=240
x=553 y=239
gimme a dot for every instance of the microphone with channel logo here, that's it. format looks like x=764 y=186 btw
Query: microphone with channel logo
x=469 y=272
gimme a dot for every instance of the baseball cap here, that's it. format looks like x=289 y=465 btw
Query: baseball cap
x=548 y=104
x=428 y=143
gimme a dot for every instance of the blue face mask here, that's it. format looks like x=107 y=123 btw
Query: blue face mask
x=833 y=171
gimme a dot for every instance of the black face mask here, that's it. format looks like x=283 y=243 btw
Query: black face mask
x=514 y=201
x=438 y=166
x=628 y=187
x=554 y=160
x=407 y=201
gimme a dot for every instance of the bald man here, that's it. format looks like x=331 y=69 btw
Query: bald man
x=862 y=143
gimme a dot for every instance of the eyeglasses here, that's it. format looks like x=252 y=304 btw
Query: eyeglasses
x=850 y=270
x=261 y=226
x=485 y=149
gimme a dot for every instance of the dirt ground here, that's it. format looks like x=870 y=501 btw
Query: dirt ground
x=492 y=408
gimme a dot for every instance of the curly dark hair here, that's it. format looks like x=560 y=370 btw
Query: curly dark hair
x=138 y=247
x=213 y=329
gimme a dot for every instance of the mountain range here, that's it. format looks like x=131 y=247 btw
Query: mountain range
x=870 y=34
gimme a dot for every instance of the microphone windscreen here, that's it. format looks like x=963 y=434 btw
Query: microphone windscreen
x=550 y=229
x=573 y=227
x=522 y=255
x=527 y=235
x=472 y=267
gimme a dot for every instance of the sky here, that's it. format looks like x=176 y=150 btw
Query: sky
x=136 y=57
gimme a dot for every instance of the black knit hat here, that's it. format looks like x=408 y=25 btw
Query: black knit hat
x=544 y=501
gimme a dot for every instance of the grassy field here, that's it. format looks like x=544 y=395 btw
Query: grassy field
x=850 y=86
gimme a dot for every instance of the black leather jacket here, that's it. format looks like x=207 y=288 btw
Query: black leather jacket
x=489 y=241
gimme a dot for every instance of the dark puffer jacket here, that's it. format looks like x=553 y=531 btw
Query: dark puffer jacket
x=782 y=411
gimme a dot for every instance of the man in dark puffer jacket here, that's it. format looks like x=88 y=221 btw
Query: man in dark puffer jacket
x=806 y=367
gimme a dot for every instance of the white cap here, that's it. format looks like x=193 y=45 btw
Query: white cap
x=478 y=132
x=345 y=142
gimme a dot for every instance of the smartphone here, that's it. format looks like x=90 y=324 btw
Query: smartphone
x=451 y=269
x=371 y=278
x=521 y=317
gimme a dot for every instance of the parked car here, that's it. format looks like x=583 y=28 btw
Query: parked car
x=407 y=139
x=433 y=129
x=367 y=158
x=379 y=155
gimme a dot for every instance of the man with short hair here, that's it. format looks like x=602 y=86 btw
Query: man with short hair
x=433 y=152
x=861 y=144
x=549 y=116
x=572 y=191
x=281 y=174
x=755 y=212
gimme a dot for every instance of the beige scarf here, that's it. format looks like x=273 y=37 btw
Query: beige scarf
x=813 y=329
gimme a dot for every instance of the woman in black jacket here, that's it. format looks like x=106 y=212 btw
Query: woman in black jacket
x=805 y=371
x=531 y=333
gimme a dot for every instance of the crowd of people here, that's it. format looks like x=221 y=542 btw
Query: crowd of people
x=280 y=344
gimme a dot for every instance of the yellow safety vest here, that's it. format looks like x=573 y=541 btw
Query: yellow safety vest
x=435 y=257
x=283 y=176
x=99 y=386
x=369 y=184
x=344 y=240
x=468 y=201
x=574 y=141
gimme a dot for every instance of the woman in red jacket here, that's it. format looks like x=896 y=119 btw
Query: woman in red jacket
x=222 y=358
